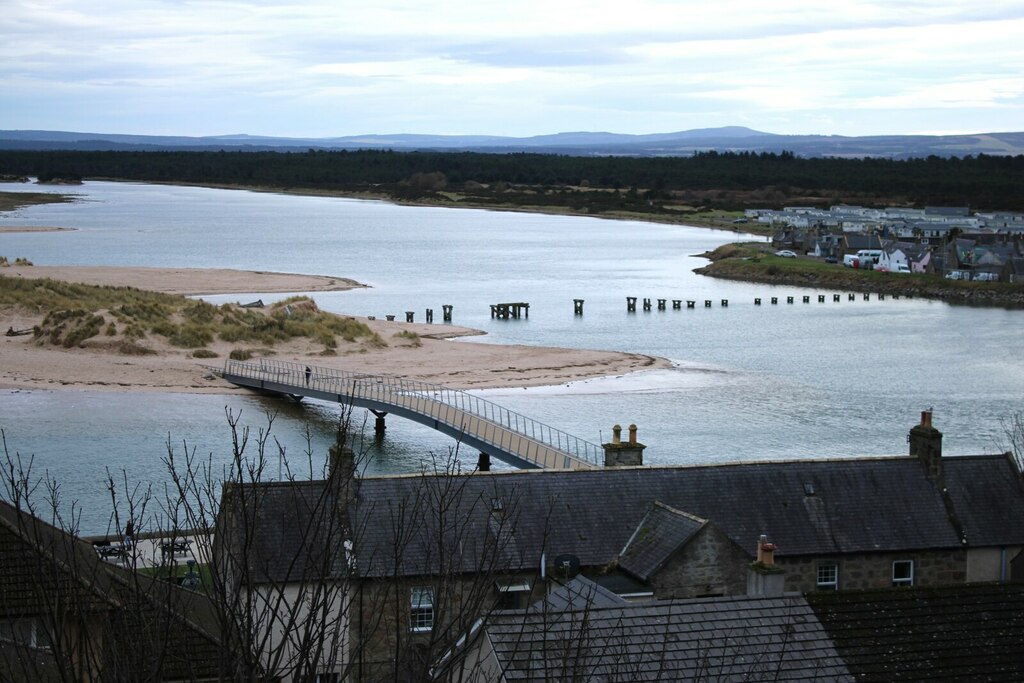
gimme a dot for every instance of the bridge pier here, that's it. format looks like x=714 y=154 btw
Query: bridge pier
x=378 y=425
x=483 y=463
x=446 y=312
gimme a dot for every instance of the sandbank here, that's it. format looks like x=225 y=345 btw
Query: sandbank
x=187 y=281
x=429 y=356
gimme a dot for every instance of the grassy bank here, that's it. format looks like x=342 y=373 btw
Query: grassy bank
x=756 y=262
x=9 y=201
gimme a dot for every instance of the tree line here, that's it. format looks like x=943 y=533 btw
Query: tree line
x=981 y=182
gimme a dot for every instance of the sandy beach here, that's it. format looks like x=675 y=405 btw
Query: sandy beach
x=432 y=357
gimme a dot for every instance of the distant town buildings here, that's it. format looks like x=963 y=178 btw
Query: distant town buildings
x=942 y=240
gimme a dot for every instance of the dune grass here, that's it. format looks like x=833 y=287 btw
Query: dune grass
x=76 y=313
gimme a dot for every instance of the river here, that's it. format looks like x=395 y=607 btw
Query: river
x=833 y=379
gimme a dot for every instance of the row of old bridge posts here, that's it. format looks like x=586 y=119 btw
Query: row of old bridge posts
x=708 y=303
x=446 y=314
x=517 y=309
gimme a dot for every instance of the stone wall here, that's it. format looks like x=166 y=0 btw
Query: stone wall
x=874 y=570
x=381 y=639
x=710 y=564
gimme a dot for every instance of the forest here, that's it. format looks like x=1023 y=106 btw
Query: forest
x=707 y=180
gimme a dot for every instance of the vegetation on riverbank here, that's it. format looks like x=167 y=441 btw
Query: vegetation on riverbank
x=9 y=201
x=757 y=262
x=126 y=320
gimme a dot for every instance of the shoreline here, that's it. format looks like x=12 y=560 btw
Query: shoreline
x=420 y=351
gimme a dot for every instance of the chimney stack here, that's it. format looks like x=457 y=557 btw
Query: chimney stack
x=618 y=454
x=926 y=445
x=764 y=578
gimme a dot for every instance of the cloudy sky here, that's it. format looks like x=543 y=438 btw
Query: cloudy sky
x=322 y=68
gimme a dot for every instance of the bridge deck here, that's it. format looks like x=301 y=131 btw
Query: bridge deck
x=474 y=421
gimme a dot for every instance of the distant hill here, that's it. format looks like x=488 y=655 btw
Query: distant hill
x=682 y=143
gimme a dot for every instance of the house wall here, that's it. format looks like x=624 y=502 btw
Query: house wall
x=874 y=570
x=990 y=564
x=283 y=618
x=380 y=627
x=710 y=564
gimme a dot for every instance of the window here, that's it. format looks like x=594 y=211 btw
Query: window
x=512 y=595
x=828 y=577
x=903 y=573
x=27 y=631
x=421 y=608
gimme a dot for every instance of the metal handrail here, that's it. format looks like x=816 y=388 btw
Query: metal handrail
x=386 y=387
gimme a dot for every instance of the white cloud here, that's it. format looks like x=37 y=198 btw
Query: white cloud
x=807 y=67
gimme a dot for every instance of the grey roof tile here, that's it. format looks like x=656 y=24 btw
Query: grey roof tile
x=719 y=639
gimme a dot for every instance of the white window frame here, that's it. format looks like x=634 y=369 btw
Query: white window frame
x=25 y=631
x=421 y=609
x=827 y=585
x=903 y=580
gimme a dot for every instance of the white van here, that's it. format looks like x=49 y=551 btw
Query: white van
x=872 y=255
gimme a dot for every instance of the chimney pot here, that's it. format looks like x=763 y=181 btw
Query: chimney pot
x=926 y=418
x=617 y=434
x=632 y=434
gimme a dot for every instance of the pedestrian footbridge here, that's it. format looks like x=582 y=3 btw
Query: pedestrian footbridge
x=473 y=421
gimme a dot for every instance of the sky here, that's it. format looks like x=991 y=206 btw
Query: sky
x=324 y=68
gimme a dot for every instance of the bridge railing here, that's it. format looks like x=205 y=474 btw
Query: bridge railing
x=386 y=387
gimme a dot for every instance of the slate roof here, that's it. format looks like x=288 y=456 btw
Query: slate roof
x=139 y=621
x=299 y=535
x=986 y=493
x=578 y=593
x=701 y=639
x=967 y=633
x=661 y=532
x=820 y=507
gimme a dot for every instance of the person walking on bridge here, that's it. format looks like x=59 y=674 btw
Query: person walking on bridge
x=309 y=373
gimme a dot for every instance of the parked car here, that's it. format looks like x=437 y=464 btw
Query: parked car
x=786 y=253
x=831 y=259
x=986 y=277
x=958 y=275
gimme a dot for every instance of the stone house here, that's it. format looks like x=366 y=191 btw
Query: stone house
x=427 y=555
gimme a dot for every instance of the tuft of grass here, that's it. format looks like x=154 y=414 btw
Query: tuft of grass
x=204 y=353
x=111 y=330
x=240 y=354
x=68 y=328
x=130 y=348
x=414 y=339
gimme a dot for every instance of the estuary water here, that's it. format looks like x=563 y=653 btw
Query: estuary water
x=833 y=379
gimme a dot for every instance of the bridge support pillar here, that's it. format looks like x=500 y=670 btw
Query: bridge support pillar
x=446 y=311
x=483 y=463
x=379 y=426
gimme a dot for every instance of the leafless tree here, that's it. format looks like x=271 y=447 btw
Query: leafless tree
x=1013 y=435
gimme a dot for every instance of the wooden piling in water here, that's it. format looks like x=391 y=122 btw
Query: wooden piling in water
x=577 y=306
x=631 y=304
x=446 y=312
